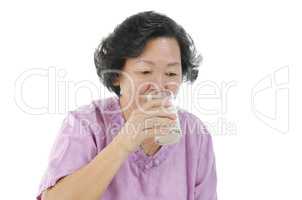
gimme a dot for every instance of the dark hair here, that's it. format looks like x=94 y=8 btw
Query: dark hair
x=129 y=39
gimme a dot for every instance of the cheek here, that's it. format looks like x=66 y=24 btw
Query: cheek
x=132 y=87
x=140 y=88
x=174 y=84
x=174 y=88
x=128 y=83
x=132 y=92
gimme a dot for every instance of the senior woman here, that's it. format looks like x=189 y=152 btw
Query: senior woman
x=106 y=151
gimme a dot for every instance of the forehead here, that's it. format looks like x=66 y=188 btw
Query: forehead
x=162 y=46
x=162 y=50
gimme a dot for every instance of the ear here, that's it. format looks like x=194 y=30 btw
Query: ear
x=116 y=82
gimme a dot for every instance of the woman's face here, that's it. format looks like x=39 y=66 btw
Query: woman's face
x=157 y=68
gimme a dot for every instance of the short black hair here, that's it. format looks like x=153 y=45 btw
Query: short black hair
x=129 y=39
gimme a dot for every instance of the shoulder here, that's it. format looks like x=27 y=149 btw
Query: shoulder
x=96 y=112
x=90 y=118
x=196 y=133
x=99 y=105
x=91 y=121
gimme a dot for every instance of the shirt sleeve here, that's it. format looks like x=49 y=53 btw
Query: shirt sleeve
x=73 y=148
x=206 y=181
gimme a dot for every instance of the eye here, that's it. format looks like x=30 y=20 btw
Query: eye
x=171 y=74
x=146 y=72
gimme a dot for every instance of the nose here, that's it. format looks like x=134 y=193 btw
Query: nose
x=158 y=84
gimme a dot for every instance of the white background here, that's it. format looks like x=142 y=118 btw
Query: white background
x=251 y=73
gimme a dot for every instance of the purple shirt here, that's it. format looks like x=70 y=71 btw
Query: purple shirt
x=185 y=170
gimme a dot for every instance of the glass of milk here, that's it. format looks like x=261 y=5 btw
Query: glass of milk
x=175 y=132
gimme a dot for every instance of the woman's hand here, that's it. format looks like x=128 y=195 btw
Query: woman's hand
x=149 y=120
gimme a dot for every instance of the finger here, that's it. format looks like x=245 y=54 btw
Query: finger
x=158 y=122
x=153 y=103
x=165 y=108
x=162 y=113
x=152 y=132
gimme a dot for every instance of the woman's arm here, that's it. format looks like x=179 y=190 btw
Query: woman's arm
x=90 y=182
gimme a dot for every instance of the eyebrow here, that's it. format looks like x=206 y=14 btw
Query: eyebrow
x=152 y=63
